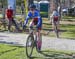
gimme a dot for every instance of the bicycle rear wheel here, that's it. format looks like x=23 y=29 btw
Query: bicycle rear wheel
x=29 y=45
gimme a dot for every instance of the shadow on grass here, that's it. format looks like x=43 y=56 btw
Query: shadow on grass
x=7 y=51
x=46 y=29
x=46 y=23
x=33 y=57
x=53 y=55
x=53 y=30
x=2 y=30
x=73 y=31
x=46 y=54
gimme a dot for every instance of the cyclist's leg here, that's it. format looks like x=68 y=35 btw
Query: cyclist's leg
x=39 y=30
x=53 y=25
x=38 y=34
x=58 y=24
x=39 y=39
x=56 y=28
x=31 y=27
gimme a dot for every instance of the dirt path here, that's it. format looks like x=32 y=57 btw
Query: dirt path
x=48 y=42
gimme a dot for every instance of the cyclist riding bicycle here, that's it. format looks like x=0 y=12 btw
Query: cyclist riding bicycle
x=55 y=18
x=36 y=19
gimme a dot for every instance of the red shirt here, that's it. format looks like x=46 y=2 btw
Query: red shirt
x=55 y=18
x=9 y=13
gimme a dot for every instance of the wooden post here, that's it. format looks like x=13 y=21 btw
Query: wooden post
x=26 y=7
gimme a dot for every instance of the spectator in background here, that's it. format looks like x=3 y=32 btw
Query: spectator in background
x=22 y=8
x=9 y=16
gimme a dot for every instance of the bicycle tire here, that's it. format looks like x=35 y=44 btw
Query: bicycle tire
x=29 y=53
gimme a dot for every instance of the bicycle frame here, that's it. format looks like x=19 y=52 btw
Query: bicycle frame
x=37 y=35
x=35 y=41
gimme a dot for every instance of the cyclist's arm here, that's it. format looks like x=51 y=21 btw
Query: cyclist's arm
x=51 y=17
x=26 y=21
x=27 y=18
x=39 y=19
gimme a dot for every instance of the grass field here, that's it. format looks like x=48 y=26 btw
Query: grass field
x=68 y=17
x=17 y=52
x=66 y=30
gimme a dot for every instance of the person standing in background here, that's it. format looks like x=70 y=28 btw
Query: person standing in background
x=22 y=8
x=9 y=16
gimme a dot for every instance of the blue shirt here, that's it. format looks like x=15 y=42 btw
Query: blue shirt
x=35 y=15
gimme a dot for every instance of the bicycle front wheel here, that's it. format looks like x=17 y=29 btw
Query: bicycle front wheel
x=29 y=45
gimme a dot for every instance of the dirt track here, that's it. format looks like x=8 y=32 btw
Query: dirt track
x=48 y=42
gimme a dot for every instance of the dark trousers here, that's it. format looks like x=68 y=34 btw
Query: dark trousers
x=10 y=23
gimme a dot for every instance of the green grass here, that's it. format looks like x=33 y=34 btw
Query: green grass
x=18 y=52
x=11 y=52
x=66 y=18
x=66 y=30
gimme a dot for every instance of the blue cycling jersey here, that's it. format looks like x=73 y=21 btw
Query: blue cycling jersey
x=35 y=15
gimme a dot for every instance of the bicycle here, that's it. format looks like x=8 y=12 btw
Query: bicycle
x=33 y=42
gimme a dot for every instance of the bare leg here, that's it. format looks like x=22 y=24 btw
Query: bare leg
x=39 y=42
x=31 y=27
